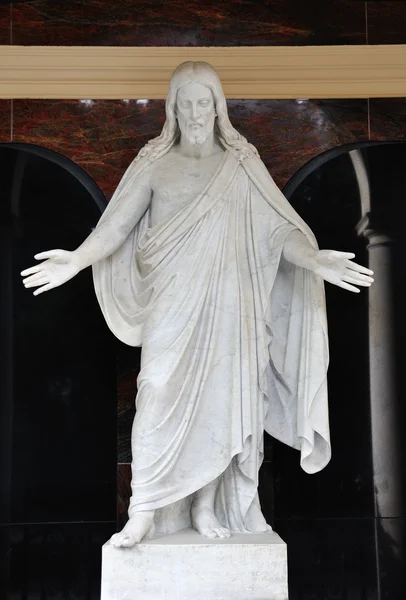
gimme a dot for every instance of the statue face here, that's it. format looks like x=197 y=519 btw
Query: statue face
x=195 y=112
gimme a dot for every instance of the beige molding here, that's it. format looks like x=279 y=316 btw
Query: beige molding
x=247 y=72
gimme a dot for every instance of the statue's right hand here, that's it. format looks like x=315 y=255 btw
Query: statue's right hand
x=59 y=267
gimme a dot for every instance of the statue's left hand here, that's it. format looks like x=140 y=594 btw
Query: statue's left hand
x=338 y=268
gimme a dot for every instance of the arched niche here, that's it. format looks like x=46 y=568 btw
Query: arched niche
x=347 y=523
x=58 y=358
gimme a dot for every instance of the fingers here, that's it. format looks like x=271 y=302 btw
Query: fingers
x=355 y=267
x=357 y=280
x=42 y=280
x=340 y=254
x=41 y=256
x=44 y=288
x=34 y=277
x=47 y=254
x=348 y=287
x=31 y=270
x=358 y=277
x=58 y=256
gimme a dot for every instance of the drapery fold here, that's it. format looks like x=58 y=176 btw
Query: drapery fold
x=234 y=342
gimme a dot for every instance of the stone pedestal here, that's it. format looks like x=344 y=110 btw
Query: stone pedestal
x=187 y=566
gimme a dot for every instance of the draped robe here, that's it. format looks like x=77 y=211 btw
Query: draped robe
x=234 y=342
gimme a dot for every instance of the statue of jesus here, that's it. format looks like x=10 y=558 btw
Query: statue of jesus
x=200 y=259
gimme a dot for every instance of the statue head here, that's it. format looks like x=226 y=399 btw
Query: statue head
x=195 y=112
x=213 y=112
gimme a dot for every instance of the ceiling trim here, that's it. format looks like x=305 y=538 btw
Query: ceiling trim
x=66 y=72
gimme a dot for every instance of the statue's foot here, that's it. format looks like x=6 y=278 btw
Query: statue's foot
x=139 y=526
x=206 y=523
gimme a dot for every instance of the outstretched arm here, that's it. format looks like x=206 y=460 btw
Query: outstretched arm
x=333 y=266
x=106 y=238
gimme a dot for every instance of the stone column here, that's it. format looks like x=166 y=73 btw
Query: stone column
x=386 y=413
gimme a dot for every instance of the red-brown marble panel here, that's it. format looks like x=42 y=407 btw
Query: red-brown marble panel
x=288 y=133
x=5 y=24
x=189 y=22
x=5 y=120
x=388 y=118
x=386 y=22
x=101 y=136
x=123 y=493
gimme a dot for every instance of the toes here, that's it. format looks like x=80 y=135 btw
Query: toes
x=114 y=541
x=117 y=542
x=223 y=533
x=128 y=541
x=210 y=533
x=218 y=532
x=120 y=541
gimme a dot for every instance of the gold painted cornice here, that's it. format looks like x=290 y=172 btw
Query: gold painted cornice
x=65 y=72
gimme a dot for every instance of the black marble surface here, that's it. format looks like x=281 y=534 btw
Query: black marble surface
x=128 y=369
x=328 y=201
x=58 y=368
x=330 y=559
x=390 y=544
x=52 y=561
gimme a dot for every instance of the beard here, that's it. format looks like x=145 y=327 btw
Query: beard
x=196 y=138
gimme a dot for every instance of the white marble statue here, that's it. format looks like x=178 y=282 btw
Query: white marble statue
x=200 y=259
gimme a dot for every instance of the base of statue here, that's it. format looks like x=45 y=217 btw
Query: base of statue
x=188 y=566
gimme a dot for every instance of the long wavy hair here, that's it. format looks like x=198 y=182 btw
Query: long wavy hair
x=203 y=73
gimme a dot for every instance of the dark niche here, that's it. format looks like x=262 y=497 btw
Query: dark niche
x=58 y=365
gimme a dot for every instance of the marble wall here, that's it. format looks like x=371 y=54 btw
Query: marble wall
x=191 y=23
x=103 y=137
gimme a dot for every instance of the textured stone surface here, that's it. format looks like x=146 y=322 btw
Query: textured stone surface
x=186 y=566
